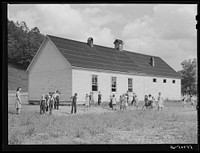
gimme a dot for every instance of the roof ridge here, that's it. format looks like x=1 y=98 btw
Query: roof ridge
x=99 y=45
x=66 y=39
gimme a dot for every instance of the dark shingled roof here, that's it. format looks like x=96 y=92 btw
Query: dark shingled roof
x=79 y=54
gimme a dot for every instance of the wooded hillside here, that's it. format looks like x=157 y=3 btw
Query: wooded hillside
x=23 y=43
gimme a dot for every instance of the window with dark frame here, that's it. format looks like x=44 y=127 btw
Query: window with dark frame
x=114 y=84
x=94 y=83
x=164 y=81
x=173 y=81
x=130 y=85
x=154 y=80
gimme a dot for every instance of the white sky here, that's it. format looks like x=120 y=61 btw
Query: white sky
x=164 y=30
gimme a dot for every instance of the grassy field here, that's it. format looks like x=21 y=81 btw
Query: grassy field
x=101 y=125
x=17 y=77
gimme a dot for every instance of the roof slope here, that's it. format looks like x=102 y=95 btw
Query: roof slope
x=80 y=54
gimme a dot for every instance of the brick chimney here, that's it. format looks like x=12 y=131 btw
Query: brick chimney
x=90 y=41
x=118 y=44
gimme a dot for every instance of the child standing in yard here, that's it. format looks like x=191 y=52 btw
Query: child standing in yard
x=110 y=103
x=51 y=103
x=43 y=105
x=114 y=102
x=160 y=101
x=47 y=97
x=99 y=98
x=146 y=103
x=120 y=102
x=153 y=104
x=184 y=101
x=18 y=105
x=133 y=100
x=150 y=99
x=125 y=101
x=74 y=99
x=57 y=99
x=87 y=101
x=136 y=102
x=91 y=99
x=127 y=97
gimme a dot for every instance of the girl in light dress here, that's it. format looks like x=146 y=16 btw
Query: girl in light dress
x=91 y=99
x=160 y=101
x=126 y=98
x=136 y=102
x=114 y=102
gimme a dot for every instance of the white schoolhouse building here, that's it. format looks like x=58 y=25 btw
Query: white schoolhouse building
x=81 y=67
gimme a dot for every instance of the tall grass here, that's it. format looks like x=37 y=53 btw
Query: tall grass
x=32 y=125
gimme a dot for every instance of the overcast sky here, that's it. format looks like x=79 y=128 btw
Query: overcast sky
x=164 y=30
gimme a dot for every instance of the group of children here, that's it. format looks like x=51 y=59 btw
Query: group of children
x=192 y=101
x=123 y=101
x=89 y=100
x=150 y=102
x=49 y=102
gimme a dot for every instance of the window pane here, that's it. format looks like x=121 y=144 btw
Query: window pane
x=130 y=84
x=113 y=84
x=130 y=89
x=94 y=88
x=94 y=79
x=94 y=83
x=113 y=89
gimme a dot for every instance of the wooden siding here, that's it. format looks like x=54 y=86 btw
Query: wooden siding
x=142 y=85
x=49 y=71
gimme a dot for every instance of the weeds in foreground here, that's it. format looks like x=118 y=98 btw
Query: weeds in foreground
x=31 y=125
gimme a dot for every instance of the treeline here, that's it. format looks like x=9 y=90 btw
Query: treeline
x=189 y=77
x=23 y=43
